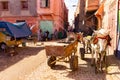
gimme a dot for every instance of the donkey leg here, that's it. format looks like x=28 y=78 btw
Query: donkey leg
x=92 y=60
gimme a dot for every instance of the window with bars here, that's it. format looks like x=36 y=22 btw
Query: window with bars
x=44 y=3
x=24 y=5
x=4 y=5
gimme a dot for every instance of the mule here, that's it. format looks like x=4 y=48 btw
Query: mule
x=99 y=44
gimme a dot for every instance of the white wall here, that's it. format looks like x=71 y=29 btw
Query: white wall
x=110 y=20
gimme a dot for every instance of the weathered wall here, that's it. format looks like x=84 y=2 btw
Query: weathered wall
x=15 y=9
x=110 y=21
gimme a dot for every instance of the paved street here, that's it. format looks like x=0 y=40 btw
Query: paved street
x=31 y=64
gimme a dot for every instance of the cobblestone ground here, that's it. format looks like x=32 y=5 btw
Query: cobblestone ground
x=29 y=66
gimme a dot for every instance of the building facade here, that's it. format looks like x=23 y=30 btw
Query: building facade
x=66 y=23
x=52 y=15
x=84 y=16
x=107 y=16
x=91 y=22
x=44 y=14
x=99 y=14
x=76 y=17
x=18 y=11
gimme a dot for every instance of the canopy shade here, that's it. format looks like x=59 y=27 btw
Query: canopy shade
x=17 y=30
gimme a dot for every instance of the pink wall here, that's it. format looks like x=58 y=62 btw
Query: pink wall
x=15 y=13
x=35 y=14
x=113 y=24
x=55 y=13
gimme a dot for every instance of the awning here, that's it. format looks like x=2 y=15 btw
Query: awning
x=100 y=10
x=18 y=30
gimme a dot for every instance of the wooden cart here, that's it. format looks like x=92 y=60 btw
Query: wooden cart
x=58 y=53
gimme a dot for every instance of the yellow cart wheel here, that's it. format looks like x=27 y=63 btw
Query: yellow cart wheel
x=74 y=63
x=82 y=53
x=50 y=60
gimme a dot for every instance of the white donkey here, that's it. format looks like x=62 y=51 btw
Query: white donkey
x=99 y=43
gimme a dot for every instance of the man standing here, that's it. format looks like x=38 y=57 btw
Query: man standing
x=39 y=34
x=55 y=34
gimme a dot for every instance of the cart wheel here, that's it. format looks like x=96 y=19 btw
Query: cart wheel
x=50 y=60
x=82 y=53
x=74 y=63
x=82 y=56
x=3 y=46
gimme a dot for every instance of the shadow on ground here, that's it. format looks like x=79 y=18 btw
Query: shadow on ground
x=23 y=52
x=87 y=72
x=115 y=62
x=59 y=67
